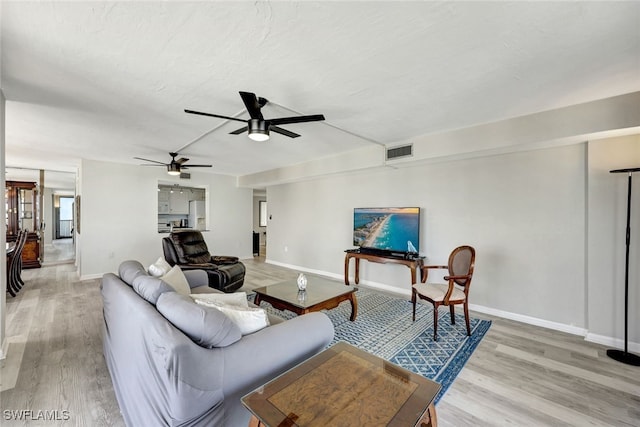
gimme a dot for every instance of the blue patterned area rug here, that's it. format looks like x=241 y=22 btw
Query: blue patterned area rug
x=383 y=327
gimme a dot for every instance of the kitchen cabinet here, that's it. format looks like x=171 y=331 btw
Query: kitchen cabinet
x=163 y=202
x=179 y=203
x=23 y=213
x=174 y=202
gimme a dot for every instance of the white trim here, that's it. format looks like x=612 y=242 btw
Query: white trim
x=4 y=349
x=570 y=329
x=612 y=342
x=91 y=276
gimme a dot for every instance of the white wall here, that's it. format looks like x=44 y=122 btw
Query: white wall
x=119 y=215
x=607 y=213
x=548 y=227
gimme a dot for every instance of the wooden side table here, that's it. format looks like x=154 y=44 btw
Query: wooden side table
x=344 y=386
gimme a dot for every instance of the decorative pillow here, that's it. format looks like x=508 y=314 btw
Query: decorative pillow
x=159 y=268
x=238 y=299
x=206 y=326
x=150 y=288
x=248 y=319
x=175 y=278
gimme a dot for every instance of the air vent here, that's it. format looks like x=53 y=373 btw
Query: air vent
x=399 y=152
x=185 y=175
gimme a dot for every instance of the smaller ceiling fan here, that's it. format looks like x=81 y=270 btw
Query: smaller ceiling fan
x=257 y=126
x=176 y=166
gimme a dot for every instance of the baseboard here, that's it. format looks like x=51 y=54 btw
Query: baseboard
x=4 y=348
x=570 y=329
x=91 y=276
x=612 y=342
x=529 y=320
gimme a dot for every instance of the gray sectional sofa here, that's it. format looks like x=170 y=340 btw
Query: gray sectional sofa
x=193 y=370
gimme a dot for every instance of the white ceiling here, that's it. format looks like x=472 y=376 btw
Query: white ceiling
x=109 y=81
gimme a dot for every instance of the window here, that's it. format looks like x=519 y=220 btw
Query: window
x=263 y=213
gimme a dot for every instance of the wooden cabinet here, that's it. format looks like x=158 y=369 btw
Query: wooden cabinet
x=23 y=213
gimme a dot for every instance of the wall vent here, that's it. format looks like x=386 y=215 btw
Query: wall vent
x=185 y=175
x=399 y=152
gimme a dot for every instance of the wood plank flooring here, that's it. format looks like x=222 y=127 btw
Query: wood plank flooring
x=520 y=375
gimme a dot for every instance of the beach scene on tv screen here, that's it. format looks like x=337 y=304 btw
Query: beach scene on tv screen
x=392 y=229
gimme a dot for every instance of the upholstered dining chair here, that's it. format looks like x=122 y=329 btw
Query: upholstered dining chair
x=455 y=291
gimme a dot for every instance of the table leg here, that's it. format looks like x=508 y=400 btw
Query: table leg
x=255 y=422
x=357 y=277
x=257 y=299
x=413 y=275
x=346 y=270
x=429 y=418
x=354 y=306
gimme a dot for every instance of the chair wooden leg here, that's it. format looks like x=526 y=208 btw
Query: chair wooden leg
x=413 y=301
x=453 y=314
x=466 y=318
x=435 y=322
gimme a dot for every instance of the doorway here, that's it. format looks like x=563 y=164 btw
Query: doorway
x=63 y=217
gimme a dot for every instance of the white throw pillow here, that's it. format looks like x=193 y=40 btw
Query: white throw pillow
x=159 y=268
x=238 y=299
x=248 y=319
x=175 y=278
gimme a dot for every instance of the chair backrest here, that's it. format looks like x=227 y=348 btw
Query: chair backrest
x=461 y=263
x=190 y=247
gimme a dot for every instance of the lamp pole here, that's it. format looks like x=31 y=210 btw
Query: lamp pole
x=616 y=354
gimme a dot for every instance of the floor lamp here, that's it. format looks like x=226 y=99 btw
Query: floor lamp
x=620 y=355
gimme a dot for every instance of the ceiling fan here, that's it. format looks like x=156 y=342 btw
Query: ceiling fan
x=176 y=166
x=257 y=126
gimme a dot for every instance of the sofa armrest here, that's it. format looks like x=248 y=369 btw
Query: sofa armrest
x=196 y=278
x=259 y=357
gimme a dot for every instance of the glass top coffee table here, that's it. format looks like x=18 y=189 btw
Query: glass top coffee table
x=344 y=386
x=321 y=294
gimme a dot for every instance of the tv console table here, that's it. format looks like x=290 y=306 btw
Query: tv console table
x=413 y=263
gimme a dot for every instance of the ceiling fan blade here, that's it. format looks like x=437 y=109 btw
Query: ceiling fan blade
x=281 y=131
x=239 y=131
x=182 y=160
x=296 y=119
x=253 y=106
x=200 y=113
x=161 y=164
x=196 y=166
x=149 y=160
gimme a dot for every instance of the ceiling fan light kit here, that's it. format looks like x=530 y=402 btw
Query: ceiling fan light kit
x=258 y=130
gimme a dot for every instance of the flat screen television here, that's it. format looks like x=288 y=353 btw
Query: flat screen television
x=387 y=230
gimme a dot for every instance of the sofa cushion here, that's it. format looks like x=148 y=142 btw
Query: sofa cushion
x=206 y=326
x=159 y=268
x=150 y=288
x=176 y=279
x=238 y=299
x=248 y=319
x=129 y=270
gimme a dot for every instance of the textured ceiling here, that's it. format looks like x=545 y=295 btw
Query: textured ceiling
x=109 y=81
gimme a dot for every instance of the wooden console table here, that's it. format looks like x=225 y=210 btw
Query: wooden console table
x=414 y=264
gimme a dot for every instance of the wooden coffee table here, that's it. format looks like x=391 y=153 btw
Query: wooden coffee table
x=344 y=386
x=321 y=294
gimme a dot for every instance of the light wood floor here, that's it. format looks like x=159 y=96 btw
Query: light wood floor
x=520 y=375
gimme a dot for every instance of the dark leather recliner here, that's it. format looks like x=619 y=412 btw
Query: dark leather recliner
x=188 y=249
